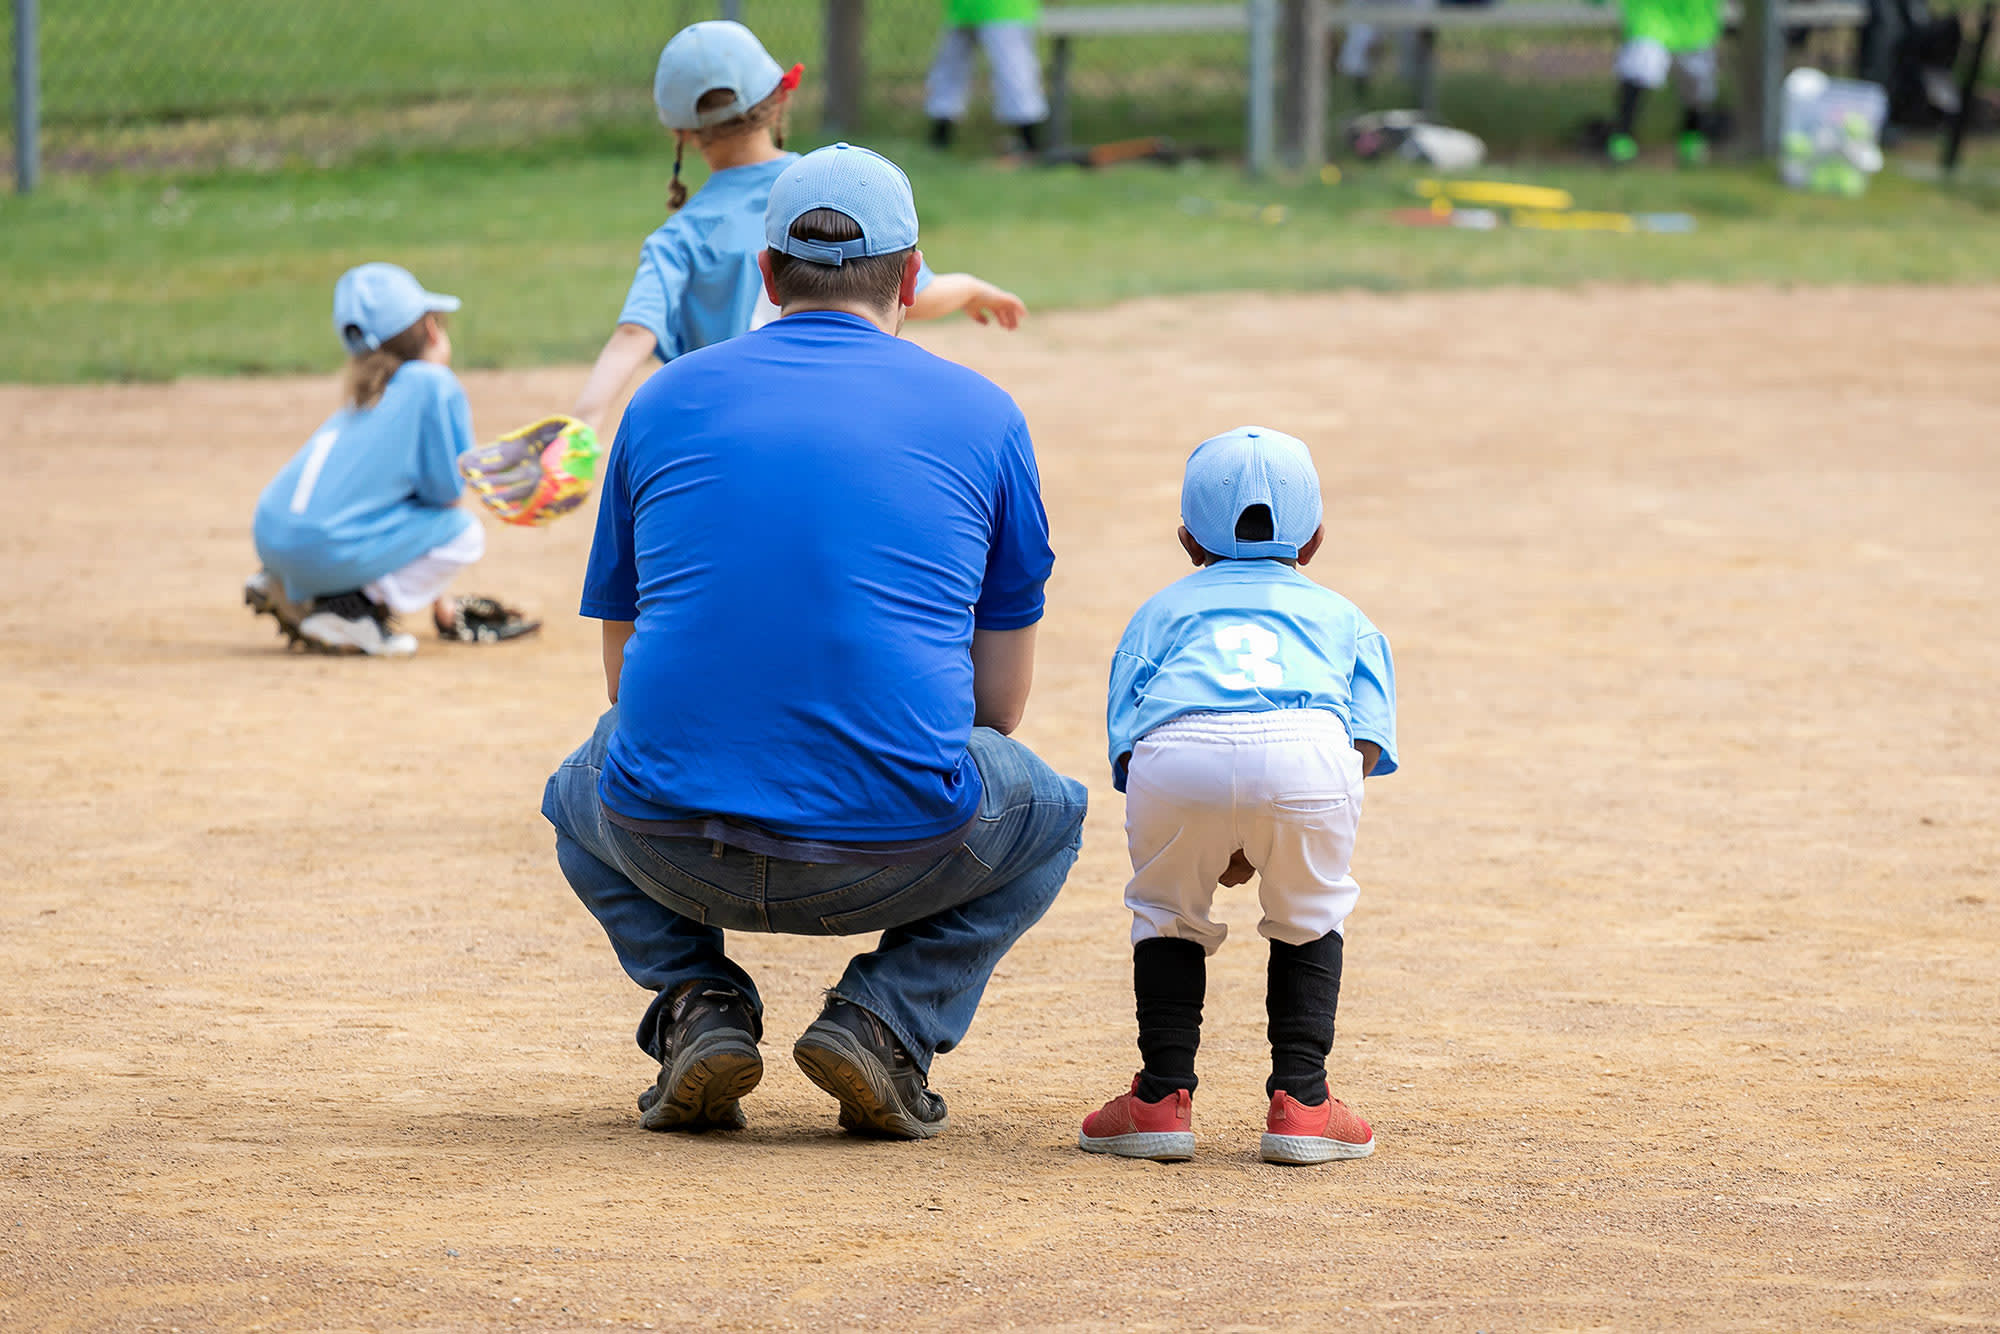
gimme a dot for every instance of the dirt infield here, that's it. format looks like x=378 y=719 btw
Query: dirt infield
x=1672 y=993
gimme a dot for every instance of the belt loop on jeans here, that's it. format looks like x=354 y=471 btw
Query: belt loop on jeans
x=715 y=849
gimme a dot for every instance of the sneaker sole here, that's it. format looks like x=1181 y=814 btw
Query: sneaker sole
x=1304 y=1150
x=1161 y=1146
x=702 y=1085
x=868 y=1103
x=262 y=604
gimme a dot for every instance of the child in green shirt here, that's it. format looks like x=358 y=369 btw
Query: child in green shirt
x=1006 y=29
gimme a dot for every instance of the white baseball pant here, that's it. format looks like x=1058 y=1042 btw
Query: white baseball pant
x=1017 y=73
x=424 y=580
x=1283 y=788
x=1647 y=63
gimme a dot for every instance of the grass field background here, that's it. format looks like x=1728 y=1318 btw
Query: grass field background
x=151 y=277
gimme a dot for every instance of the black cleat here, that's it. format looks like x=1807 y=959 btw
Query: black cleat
x=852 y=1055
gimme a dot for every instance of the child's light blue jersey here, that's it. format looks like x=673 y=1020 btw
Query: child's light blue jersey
x=698 y=281
x=1250 y=636
x=372 y=490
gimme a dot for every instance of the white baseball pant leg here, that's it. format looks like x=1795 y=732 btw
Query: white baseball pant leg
x=1283 y=788
x=1017 y=73
x=424 y=580
x=948 y=86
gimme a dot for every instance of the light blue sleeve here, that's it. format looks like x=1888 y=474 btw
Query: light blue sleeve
x=1130 y=670
x=924 y=274
x=1374 y=695
x=444 y=431
x=657 y=290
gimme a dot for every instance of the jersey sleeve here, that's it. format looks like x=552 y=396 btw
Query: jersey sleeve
x=611 y=579
x=444 y=431
x=924 y=274
x=1131 y=668
x=1019 y=559
x=1374 y=693
x=657 y=290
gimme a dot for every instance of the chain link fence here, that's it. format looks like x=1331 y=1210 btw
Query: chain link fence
x=185 y=83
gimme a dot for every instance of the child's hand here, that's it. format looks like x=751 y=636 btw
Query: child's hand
x=1238 y=871
x=989 y=303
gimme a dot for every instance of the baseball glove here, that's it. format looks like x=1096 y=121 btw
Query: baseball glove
x=534 y=475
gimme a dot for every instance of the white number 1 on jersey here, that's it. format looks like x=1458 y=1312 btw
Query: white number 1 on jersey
x=317 y=449
x=1253 y=646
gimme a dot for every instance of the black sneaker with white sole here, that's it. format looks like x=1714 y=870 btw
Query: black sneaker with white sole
x=350 y=623
x=709 y=1060
x=851 y=1054
x=264 y=595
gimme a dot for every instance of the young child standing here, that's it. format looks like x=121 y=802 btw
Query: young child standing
x=1006 y=29
x=1663 y=37
x=698 y=283
x=1247 y=703
x=364 y=524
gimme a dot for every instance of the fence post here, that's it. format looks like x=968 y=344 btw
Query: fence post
x=733 y=10
x=846 y=68
x=27 y=98
x=1761 y=43
x=1262 y=149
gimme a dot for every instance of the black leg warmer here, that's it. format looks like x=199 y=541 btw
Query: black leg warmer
x=1302 y=995
x=1628 y=107
x=1170 y=979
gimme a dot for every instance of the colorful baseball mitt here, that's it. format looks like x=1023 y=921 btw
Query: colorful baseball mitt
x=534 y=475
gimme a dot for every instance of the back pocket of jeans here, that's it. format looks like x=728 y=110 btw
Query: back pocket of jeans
x=912 y=902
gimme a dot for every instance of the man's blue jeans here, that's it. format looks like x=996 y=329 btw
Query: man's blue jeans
x=665 y=902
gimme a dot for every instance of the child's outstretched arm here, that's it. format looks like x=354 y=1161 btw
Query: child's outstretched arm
x=947 y=293
x=629 y=347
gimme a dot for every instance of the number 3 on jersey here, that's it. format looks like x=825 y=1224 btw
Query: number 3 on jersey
x=1254 y=647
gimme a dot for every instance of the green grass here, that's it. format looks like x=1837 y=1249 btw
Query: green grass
x=124 y=278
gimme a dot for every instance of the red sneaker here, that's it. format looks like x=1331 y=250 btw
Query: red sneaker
x=1130 y=1128
x=1296 y=1133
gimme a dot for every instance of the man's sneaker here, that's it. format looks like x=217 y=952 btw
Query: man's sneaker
x=1132 y=1128
x=483 y=620
x=852 y=1055
x=1296 y=1133
x=709 y=1060
x=350 y=623
x=264 y=594
x=1621 y=148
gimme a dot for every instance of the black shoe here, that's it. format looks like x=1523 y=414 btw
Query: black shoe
x=1030 y=136
x=852 y=1055
x=710 y=1061
x=941 y=134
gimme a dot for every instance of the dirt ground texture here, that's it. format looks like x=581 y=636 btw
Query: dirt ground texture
x=1671 y=995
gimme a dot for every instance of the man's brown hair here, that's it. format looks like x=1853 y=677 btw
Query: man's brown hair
x=872 y=281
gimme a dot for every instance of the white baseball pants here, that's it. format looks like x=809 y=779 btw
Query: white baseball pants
x=424 y=580
x=1647 y=63
x=1017 y=74
x=1283 y=788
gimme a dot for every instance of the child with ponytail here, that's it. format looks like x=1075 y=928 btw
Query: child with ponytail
x=698 y=282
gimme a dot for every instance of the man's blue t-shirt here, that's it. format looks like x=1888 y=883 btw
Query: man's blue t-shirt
x=1250 y=636
x=372 y=490
x=806 y=523
x=698 y=281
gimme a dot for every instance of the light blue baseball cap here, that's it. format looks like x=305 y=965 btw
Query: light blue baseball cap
x=375 y=302
x=715 y=54
x=1251 y=465
x=863 y=184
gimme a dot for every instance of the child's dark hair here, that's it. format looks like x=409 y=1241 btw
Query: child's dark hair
x=768 y=114
x=368 y=373
x=1254 y=524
